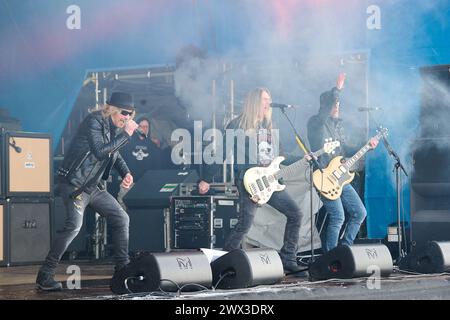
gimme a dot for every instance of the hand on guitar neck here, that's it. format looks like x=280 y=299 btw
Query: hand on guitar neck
x=338 y=173
x=373 y=142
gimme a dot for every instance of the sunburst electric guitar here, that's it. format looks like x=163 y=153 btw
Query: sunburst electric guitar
x=262 y=182
x=338 y=173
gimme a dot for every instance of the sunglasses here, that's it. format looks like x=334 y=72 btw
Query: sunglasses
x=126 y=113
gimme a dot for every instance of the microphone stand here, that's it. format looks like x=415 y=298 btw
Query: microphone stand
x=397 y=166
x=311 y=170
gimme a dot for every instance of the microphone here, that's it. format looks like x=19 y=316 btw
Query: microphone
x=139 y=132
x=369 y=109
x=16 y=147
x=281 y=106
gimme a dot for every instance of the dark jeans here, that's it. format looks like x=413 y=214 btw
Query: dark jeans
x=104 y=204
x=351 y=202
x=280 y=201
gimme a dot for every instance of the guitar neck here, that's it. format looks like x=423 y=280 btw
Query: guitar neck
x=290 y=170
x=349 y=163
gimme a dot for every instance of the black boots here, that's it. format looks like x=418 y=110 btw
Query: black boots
x=292 y=268
x=45 y=281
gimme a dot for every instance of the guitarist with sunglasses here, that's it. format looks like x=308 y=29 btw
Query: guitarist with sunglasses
x=328 y=124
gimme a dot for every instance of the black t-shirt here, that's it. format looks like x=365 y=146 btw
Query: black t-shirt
x=141 y=155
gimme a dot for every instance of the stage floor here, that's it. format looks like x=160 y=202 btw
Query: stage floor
x=17 y=283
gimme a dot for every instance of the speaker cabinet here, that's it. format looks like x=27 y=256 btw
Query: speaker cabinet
x=434 y=107
x=434 y=258
x=3 y=234
x=147 y=230
x=184 y=271
x=27 y=166
x=242 y=269
x=345 y=262
x=430 y=192
x=26 y=230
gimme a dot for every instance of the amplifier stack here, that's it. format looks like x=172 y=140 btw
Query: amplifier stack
x=26 y=197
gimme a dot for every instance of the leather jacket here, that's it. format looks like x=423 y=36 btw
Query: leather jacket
x=92 y=154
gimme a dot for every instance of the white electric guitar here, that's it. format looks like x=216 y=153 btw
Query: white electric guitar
x=262 y=182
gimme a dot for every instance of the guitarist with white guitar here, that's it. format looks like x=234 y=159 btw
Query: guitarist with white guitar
x=328 y=124
x=256 y=119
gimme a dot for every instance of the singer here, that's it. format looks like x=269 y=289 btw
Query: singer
x=328 y=124
x=81 y=181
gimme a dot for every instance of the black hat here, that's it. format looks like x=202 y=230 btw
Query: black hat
x=121 y=100
x=328 y=99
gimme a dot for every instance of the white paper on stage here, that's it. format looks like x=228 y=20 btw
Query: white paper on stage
x=268 y=226
x=212 y=254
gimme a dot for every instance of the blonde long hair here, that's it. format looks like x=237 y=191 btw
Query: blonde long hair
x=109 y=110
x=250 y=115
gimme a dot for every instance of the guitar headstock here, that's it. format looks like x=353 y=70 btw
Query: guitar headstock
x=382 y=132
x=330 y=145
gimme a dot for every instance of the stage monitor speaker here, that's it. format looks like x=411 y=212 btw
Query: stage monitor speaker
x=27 y=165
x=243 y=269
x=345 y=262
x=184 y=271
x=435 y=258
x=155 y=187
